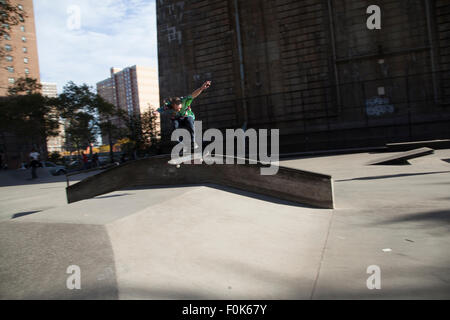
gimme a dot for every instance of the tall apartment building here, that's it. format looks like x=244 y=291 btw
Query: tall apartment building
x=54 y=144
x=133 y=89
x=49 y=89
x=19 y=60
x=312 y=68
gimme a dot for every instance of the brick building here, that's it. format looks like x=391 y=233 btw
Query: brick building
x=19 y=60
x=311 y=68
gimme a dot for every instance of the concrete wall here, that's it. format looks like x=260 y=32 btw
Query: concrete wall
x=310 y=68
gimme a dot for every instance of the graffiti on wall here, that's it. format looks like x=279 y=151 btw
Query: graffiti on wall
x=378 y=106
x=173 y=14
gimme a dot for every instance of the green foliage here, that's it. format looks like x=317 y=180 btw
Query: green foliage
x=29 y=116
x=81 y=130
x=25 y=85
x=149 y=127
x=76 y=98
x=55 y=157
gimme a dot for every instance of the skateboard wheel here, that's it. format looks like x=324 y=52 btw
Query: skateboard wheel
x=178 y=166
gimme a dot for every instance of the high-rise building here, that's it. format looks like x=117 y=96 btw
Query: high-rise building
x=133 y=89
x=49 y=89
x=20 y=57
x=54 y=144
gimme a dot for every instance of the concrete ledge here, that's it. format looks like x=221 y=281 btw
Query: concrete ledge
x=405 y=146
x=402 y=158
x=294 y=185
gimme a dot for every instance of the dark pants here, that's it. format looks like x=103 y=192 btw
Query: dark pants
x=34 y=164
x=187 y=123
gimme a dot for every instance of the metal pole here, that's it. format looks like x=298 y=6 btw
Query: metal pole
x=431 y=43
x=409 y=107
x=241 y=60
x=333 y=46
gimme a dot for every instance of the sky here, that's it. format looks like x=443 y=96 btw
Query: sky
x=80 y=40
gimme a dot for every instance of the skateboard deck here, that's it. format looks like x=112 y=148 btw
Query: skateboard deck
x=190 y=158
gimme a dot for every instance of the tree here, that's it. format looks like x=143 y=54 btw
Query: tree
x=107 y=122
x=149 y=127
x=81 y=131
x=133 y=131
x=28 y=115
x=76 y=98
x=77 y=106
x=25 y=86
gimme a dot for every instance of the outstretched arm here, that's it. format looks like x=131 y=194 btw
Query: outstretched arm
x=161 y=109
x=197 y=92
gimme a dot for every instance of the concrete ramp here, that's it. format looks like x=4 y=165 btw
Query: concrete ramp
x=402 y=158
x=289 y=184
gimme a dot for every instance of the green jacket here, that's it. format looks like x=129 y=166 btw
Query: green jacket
x=185 y=111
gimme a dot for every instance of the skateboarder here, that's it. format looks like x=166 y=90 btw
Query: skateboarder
x=179 y=109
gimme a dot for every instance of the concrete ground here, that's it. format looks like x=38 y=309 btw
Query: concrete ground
x=209 y=242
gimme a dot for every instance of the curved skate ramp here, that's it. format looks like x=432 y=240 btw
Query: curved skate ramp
x=288 y=184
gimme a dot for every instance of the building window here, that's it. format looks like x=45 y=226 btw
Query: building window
x=25 y=60
x=7 y=37
x=8 y=47
x=11 y=80
x=9 y=58
x=25 y=50
x=10 y=69
x=27 y=71
x=20 y=7
x=22 y=28
x=24 y=39
x=6 y=26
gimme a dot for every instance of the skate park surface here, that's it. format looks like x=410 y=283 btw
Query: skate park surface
x=215 y=242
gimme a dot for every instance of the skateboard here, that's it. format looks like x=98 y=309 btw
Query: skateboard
x=191 y=158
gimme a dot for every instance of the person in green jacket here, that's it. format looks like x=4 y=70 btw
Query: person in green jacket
x=179 y=109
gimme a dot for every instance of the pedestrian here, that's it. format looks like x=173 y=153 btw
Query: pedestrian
x=34 y=157
x=123 y=158
x=85 y=161
x=95 y=160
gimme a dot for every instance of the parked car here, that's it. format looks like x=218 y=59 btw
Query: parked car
x=54 y=169
x=78 y=165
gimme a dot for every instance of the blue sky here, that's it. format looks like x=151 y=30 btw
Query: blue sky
x=108 y=33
